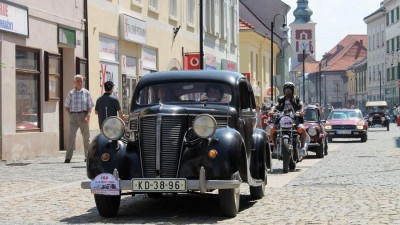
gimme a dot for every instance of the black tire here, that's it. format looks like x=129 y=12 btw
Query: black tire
x=364 y=138
x=229 y=199
x=326 y=146
x=320 y=150
x=268 y=158
x=387 y=127
x=107 y=205
x=257 y=192
x=285 y=155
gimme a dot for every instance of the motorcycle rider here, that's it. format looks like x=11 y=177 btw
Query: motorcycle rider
x=291 y=102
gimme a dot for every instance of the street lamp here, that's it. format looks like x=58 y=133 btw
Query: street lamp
x=284 y=29
x=304 y=78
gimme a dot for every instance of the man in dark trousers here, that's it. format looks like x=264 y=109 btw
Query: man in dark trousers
x=107 y=105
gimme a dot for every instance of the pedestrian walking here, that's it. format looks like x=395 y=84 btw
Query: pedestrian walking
x=79 y=105
x=107 y=105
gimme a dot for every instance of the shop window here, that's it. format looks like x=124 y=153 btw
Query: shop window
x=52 y=76
x=27 y=90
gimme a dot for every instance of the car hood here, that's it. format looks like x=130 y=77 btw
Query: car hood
x=342 y=122
x=376 y=114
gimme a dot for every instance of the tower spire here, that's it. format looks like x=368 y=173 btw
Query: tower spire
x=302 y=13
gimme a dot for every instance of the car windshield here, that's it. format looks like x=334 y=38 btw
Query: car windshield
x=345 y=115
x=371 y=109
x=185 y=92
x=311 y=115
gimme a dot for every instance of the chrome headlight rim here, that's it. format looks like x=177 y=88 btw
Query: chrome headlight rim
x=370 y=119
x=204 y=130
x=312 y=131
x=113 y=128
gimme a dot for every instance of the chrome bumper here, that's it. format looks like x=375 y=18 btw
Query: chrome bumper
x=201 y=185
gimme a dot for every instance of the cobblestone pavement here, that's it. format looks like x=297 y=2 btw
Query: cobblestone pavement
x=357 y=183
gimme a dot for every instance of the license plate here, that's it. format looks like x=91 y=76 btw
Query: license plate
x=159 y=185
x=343 y=132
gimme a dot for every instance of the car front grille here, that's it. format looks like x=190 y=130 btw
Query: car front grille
x=160 y=145
x=344 y=127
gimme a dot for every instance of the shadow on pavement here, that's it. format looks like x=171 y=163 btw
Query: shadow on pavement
x=397 y=142
x=180 y=209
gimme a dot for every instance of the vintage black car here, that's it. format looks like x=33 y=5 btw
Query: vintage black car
x=188 y=131
x=377 y=114
x=313 y=124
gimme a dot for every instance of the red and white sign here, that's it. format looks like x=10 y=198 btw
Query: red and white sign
x=109 y=72
x=275 y=90
x=105 y=184
x=247 y=75
x=192 y=62
x=14 y=19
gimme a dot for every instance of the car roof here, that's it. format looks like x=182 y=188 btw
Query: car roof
x=376 y=103
x=220 y=76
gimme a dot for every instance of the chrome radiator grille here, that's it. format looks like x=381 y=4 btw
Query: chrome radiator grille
x=344 y=127
x=160 y=143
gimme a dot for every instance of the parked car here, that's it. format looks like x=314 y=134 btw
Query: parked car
x=313 y=124
x=346 y=123
x=193 y=139
x=377 y=114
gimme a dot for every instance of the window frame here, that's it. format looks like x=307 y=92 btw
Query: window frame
x=33 y=73
x=49 y=93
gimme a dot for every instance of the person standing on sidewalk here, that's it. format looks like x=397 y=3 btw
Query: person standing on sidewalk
x=79 y=105
x=107 y=105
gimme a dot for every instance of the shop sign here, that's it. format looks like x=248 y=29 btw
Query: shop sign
x=66 y=36
x=191 y=61
x=128 y=65
x=211 y=62
x=109 y=72
x=108 y=49
x=228 y=65
x=133 y=29
x=149 y=58
x=14 y=19
x=247 y=75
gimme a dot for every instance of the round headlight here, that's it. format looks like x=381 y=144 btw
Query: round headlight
x=113 y=128
x=370 y=119
x=204 y=126
x=383 y=118
x=312 y=131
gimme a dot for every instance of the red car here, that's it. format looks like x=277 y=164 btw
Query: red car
x=346 y=123
x=315 y=129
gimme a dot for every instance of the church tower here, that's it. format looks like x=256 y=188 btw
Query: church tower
x=302 y=33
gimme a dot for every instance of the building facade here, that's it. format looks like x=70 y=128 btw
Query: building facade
x=377 y=60
x=391 y=90
x=42 y=46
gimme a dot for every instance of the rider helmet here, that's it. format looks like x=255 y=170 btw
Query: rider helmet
x=289 y=85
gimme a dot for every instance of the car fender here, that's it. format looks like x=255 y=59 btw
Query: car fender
x=257 y=159
x=123 y=157
x=228 y=142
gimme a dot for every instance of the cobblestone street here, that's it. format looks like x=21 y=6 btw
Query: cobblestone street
x=357 y=183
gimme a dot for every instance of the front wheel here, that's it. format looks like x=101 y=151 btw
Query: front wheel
x=326 y=146
x=285 y=155
x=229 y=199
x=364 y=138
x=107 y=205
x=387 y=127
x=320 y=150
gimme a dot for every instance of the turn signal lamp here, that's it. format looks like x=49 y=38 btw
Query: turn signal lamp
x=212 y=153
x=105 y=157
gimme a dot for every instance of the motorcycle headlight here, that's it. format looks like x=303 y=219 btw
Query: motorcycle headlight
x=312 y=131
x=113 y=128
x=370 y=119
x=204 y=126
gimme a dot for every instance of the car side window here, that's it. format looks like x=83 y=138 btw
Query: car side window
x=245 y=104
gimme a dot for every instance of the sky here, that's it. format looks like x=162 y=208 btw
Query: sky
x=335 y=19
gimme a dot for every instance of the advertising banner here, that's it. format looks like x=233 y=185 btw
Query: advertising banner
x=109 y=72
x=108 y=49
x=14 y=19
x=133 y=29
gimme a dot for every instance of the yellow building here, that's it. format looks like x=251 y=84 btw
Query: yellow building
x=255 y=59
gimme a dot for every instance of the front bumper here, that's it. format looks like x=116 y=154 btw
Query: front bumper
x=201 y=185
x=346 y=133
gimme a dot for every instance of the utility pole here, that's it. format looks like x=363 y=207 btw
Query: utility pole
x=201 y=30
